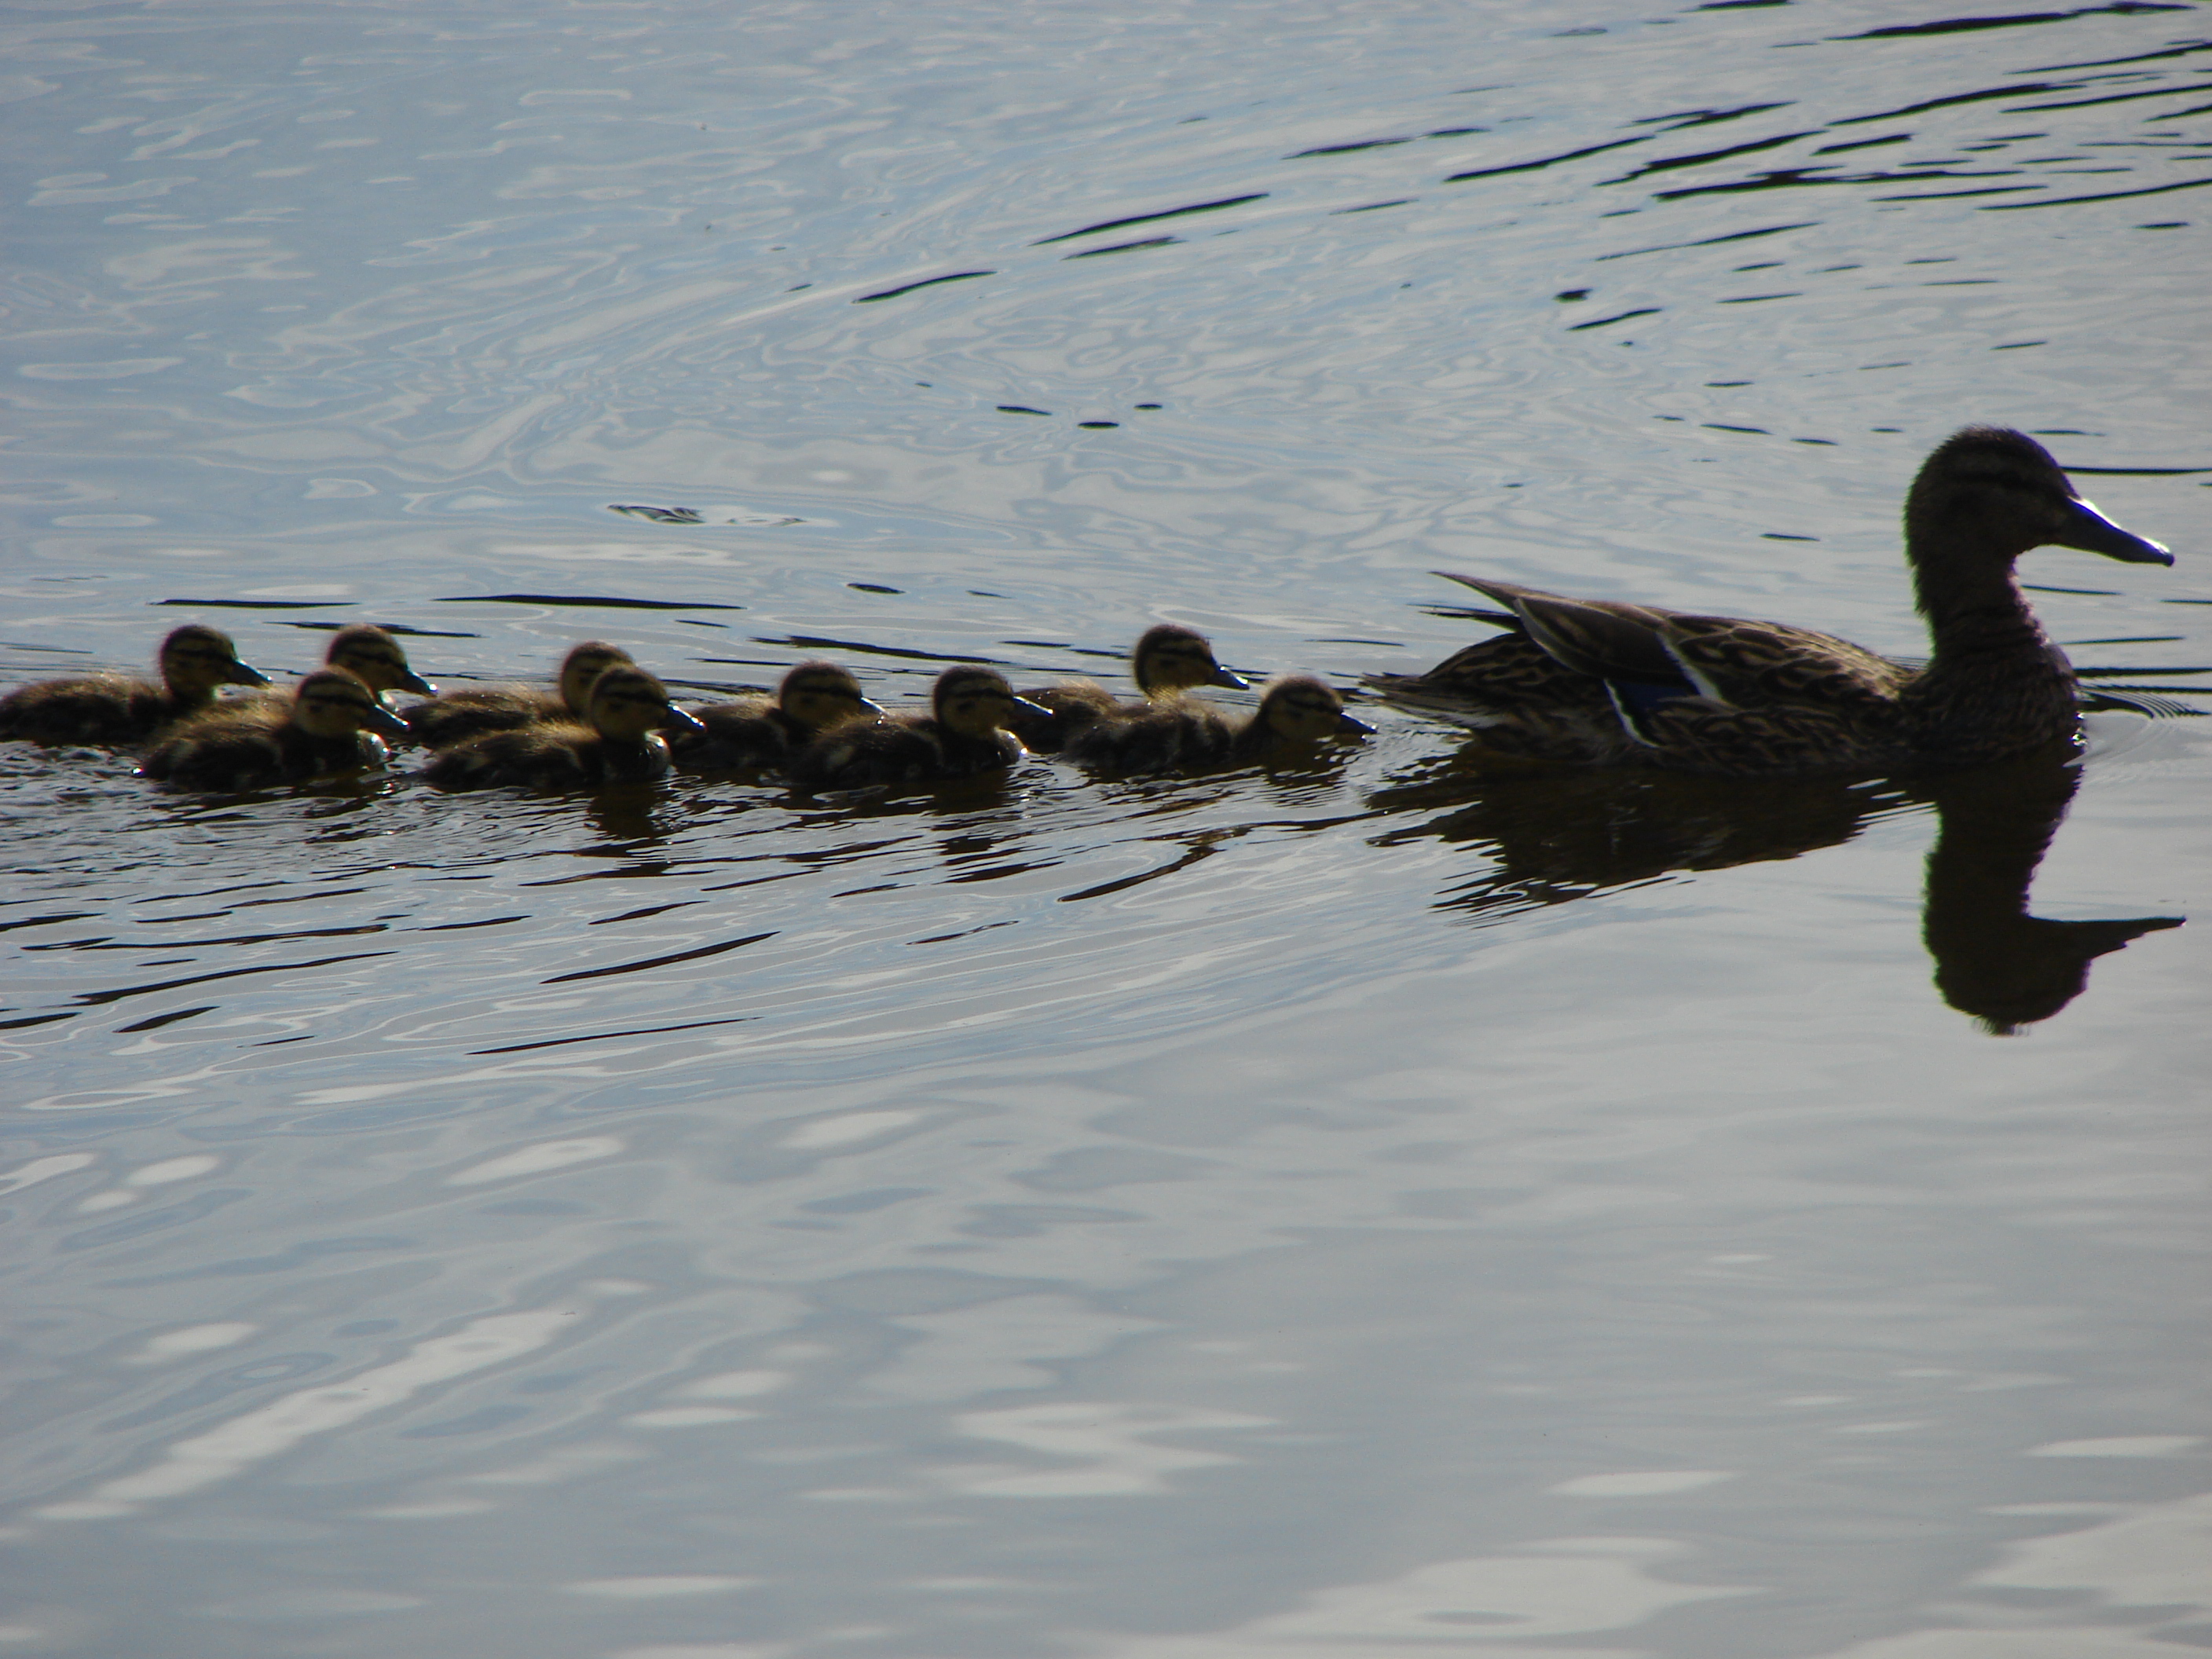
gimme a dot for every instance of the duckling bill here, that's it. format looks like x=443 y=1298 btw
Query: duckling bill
x=330 y=724
x=116 y=708
x=628 y=710
x=1602 y=682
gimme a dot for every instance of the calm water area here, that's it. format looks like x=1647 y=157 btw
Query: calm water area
x=1391 y=1206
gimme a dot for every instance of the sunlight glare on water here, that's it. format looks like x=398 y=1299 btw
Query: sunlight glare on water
x=1382 y=1205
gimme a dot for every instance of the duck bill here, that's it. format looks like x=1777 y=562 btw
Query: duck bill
x=873 y=711
x=681 y=719
x=2092 y=532
x=237 y=673
x=411 y=681
x=382 y=722
x=1231 y=678
x=1024 y=706
x=1351 y=725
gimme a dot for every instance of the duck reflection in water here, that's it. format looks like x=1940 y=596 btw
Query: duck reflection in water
x=1561 y=836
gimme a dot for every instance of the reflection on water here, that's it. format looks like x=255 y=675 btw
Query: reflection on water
x=1053 y=1216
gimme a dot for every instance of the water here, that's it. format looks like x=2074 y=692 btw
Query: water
x=1379 y=1207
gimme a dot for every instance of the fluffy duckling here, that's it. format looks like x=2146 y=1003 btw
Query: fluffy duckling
x=328 y=724
x=756 y=732
x=117 y=709
x=1295 y=712
x=628 y=710
x=1169 y=659
x=1602 y=682
x=459 y=715
x=964 y=734
x=378 y=660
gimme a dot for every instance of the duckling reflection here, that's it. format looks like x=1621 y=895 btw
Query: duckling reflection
x=1559 y=836
x=621 y=743
x=329 y=725
x=1168 y=659
x=116 y=708
x=1993 y=960
x=458 y=716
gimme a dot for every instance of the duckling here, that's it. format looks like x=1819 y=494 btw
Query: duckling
x=1605 y=683
x=1295 y=712
x=328 y=724
x=964 y=734
x=458 y=716
x=114 y=708
x=1168 y=659
x=757 y=732
x=377 y=659
x=629 y=707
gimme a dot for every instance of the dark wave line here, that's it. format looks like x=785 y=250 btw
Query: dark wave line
x=602 y=1036
x=1149 y=218
x=1125 y=247
x=1959 y=98
x=1549 y=160
x=94 y=998
x=2114 y=98
x=658 y=962
x=1708 y=242
x=2108 y=196
x=1669 y=163
x=601 y=600
x=928 y=281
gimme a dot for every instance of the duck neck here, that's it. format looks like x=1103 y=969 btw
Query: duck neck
x=1972 y=600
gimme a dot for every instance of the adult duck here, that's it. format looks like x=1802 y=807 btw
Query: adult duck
x=1297 y=714
x=1605 y=683
x=965 y=732
x=767 y=731
x=621 y=743
x=117 y=709
x=458 y=716
x=1169 y=659
x=331 y=723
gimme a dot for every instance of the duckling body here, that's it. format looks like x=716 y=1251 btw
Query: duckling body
x=1296 y=713
x=1168 y=661
x=765 y=731
x=117 y=709
x=621 y=743
x=330 y=724
x=458 y=716
x=964 y=734
x=1604 y=683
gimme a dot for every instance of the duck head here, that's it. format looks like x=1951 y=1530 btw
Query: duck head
x=821 y=695
x=1988 y=494
x=977 y=701
x=1173 y=658
x=627 y=703
x=581 y=668
x=331 y=702
x=1299 y=708
x=374 y=657
x=195 y=660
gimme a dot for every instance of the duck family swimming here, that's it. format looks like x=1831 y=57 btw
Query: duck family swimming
x=1576 y=681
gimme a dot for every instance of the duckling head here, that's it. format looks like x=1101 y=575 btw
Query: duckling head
x=627 y=703
x=195 y=660
x=1988 y=494
x=821 y=695
x=1172 y=658
x=977 y=701
x=377 y=659
x=332 y=702
x=1299 y=708
x=581 y=668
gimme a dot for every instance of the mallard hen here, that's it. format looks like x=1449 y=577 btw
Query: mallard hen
x=1605 y=683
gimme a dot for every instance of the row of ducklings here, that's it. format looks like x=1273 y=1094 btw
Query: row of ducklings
x=604 y=720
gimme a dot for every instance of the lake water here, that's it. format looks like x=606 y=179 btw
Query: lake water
x=1386 y=1207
